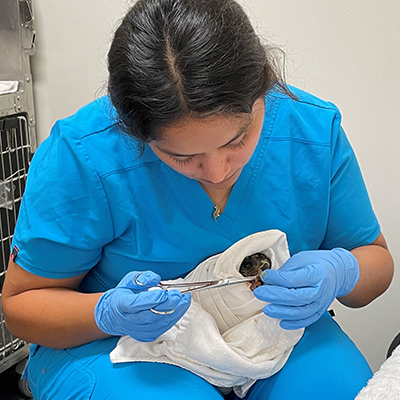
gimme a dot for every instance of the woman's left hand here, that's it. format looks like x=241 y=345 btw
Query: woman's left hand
x=306 y=285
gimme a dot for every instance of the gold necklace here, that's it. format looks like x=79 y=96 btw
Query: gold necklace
x=218 y=206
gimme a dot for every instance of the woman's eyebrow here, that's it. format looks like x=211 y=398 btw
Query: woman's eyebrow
x=240 y=133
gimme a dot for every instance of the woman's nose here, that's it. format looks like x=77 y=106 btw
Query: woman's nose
x=215 y=168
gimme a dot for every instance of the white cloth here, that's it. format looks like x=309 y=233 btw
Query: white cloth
x=385 y=384
x=224 y=337
x=8 y=87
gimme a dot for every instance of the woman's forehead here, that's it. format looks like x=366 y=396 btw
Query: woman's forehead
x=201 y=135
x=193 y=135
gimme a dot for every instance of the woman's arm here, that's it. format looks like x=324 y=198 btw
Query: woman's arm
x=48 y=312
x=52 y=313
x=376 y=273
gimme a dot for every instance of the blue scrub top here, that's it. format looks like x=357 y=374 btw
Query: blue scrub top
x=93 y=204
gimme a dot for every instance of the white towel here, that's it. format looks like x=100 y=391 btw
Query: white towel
x=385 y=384
x=224 y=337
x=8 y=87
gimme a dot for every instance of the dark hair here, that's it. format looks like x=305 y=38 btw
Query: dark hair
x=171 y=59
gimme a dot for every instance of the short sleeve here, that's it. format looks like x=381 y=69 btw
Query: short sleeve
x=64 y=221
x=351 y=220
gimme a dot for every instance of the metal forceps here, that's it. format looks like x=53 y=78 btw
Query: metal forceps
x=189 y=287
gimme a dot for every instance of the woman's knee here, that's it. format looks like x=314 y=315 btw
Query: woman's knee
x=325 y=364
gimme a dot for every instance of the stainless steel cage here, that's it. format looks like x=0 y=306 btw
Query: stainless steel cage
x=14 y=162
x=17 y=141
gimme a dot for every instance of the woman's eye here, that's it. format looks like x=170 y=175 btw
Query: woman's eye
x=182 y=161
x=241 y=143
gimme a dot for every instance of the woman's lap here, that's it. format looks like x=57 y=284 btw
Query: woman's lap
x=325 y=364
x=86 y=372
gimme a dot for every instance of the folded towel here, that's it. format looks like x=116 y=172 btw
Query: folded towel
x=8 y=87
x=224 y=337
x=385 y=384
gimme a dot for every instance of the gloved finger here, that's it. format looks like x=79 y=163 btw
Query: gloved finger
x=149 y=332
x=140 y=280
x=303 y=277
x=182 y=307
x=302 y=259
x=161 y=324
x=165 y=322
x=300 y=323
x=290 y=312
x=130 y=302
x=150 y=336
x=285 y=296
x=154 y=325
x=175 y=300
x=171 y=309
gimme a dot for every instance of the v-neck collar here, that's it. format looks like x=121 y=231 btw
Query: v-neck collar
x=201 y=204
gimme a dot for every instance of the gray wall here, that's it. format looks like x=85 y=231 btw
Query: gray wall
x=347 y=52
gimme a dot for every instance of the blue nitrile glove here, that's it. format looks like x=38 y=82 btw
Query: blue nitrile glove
x=306 y=285
x=125 y=310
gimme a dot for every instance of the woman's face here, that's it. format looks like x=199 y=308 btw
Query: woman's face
x=213 y=150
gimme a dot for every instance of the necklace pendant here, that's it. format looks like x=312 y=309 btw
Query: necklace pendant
x=217 y=212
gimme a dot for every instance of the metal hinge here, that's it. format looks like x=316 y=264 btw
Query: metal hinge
x=27 y=18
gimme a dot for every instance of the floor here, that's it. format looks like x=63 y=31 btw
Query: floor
x=9 y=386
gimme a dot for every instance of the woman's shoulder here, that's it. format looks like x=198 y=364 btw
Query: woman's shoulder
x=303 y=98
x=93 y=133
x=94 y=117
x=305 y=117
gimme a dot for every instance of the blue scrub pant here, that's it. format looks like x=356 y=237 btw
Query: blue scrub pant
x=324 y=365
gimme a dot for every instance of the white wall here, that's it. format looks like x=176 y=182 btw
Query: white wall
x=347 y=52
x=69 y=67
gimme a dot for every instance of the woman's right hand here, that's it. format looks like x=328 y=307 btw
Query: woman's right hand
x=125 y=310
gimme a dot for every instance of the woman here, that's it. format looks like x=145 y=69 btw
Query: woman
x=216 y=148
